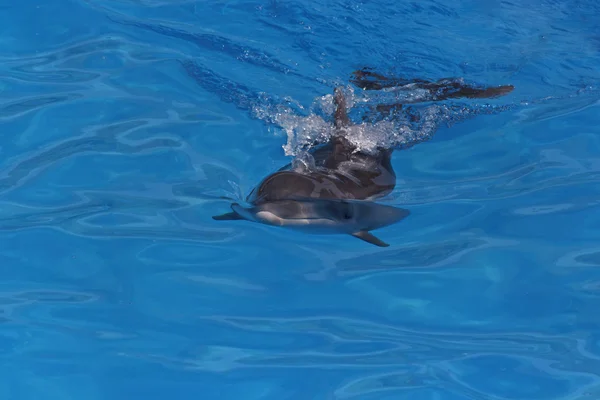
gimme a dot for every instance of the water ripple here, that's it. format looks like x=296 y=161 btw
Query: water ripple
x=219 y=44
x=124 y=122
x=21 y=107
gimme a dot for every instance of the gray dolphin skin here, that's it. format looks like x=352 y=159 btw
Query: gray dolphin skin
x=335 y=196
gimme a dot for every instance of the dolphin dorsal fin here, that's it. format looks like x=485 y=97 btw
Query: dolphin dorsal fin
x=340 y=115
x=341 y=147
x=369 y=238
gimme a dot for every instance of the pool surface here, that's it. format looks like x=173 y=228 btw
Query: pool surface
x=122 y=122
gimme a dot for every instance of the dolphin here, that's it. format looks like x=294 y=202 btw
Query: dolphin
x=336 y=195
x=333 y=197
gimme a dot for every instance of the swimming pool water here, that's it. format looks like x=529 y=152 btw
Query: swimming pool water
x=121 y=121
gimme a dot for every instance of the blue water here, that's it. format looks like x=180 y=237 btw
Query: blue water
x=122 y=120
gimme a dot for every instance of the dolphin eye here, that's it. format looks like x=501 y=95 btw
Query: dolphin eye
x=341 y=211
x=347 y=214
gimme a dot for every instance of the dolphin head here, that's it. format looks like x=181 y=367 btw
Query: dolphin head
x=351 y=217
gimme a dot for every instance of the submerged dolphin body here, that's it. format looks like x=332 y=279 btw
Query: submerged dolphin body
x=333 y=197
x=336 y=195
x=356 y=218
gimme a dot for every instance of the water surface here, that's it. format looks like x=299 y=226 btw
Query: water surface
x=121 y=121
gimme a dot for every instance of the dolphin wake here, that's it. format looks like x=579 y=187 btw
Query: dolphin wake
x=379 y=120
x=385 y=118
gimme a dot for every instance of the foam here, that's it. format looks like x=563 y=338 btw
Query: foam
x=397 y=130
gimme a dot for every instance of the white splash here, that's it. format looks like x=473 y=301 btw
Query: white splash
x=401 y=130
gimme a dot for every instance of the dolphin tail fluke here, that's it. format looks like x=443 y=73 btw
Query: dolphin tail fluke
x=230 y=216
x=370 y=238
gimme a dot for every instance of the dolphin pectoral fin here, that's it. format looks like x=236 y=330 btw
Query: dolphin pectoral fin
x=230 y=216
x=370 y=238
x=446 y=88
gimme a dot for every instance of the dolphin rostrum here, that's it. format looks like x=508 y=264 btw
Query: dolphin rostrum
x=335 y=195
